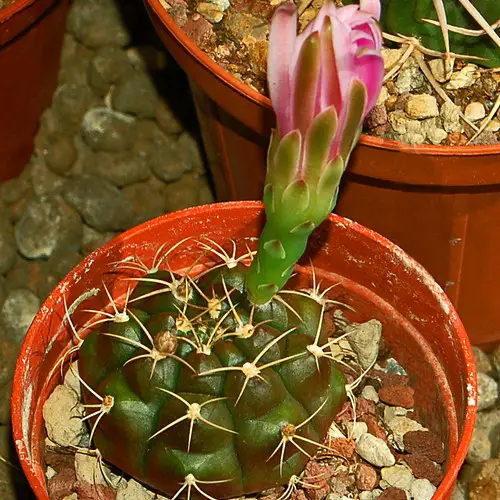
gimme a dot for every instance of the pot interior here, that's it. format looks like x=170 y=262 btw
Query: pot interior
x=376 y=279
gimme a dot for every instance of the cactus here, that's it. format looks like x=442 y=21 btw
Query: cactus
x=225 y=384
x=192 y=387
x=409 y=17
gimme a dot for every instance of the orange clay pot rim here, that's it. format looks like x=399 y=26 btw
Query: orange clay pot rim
x=263 y=101
x=7 y=12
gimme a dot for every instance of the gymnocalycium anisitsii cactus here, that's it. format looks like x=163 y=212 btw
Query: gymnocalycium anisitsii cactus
x=223 y=384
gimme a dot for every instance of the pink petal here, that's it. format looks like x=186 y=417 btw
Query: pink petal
x=345 y=56
x=305 y=83
x=329 y=90
x=372 y=7
x=370 y=71
x=282 y=39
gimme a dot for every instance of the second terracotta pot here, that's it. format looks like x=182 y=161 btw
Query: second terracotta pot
x=31 y=37
x=441 y=204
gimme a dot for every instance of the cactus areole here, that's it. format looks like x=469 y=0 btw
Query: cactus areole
x=217 y=385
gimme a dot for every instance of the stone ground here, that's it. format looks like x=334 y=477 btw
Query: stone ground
x=117 y=147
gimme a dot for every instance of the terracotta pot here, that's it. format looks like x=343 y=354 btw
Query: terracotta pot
x=439 y=203
x=31 y=36
x=379 y=280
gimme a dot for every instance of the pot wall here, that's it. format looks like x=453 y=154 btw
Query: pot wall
x=377 y=278
x=31 y=36
x=439 y=203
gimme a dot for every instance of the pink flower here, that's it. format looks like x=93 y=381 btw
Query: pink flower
x=334 y=63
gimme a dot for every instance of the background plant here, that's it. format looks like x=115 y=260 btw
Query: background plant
x=458 y=26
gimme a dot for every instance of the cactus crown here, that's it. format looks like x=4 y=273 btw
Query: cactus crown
x=194 y=390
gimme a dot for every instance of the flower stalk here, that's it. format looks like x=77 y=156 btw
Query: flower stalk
x=322 y=84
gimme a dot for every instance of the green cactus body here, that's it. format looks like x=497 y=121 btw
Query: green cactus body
x=406 y=17
x=211 y=392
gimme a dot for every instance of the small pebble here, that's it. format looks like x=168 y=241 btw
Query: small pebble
x=134 y=491
x=70 y=102
x=422 y=489
x=108 y=66
x=397 y=395
x=87 y=469
x=474 y=111
x=398 y=476
x=18 y=311
x=399 y=427
x=48 y=225
x=423 y=468
x=136 y=95
x=459 y=492
x=463 y=78
x=101 y=204
x=356 y=430
x=425 y=443
x=210 y=12
x=495 y=359
x=369 y=392
x=7 y=246
x=393 y=494
x=392 y=366
x=487 y=391
x=104 y=129
x=450 y=114
x=391 y=57
x=485 y=441
x=440 y=69
x=60 y=154
x=375 y=451
x=62 y=416
x=97 y=23
x=364 y=340
x=409 y=78
x=366 y=477
x=422 y=106
x=485 y=485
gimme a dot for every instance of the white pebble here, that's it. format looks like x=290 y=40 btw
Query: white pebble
x=440 y=69
x=493 y=126
x=364 y=340
x=369 y=392
x=398 y=476
x=356 y=430
x=422 y=489
x=487 y=391
x=375 y=451
x=71 y=380
x=475 y=111
x=399 y=427
x=463 y=78
x=62 y=416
